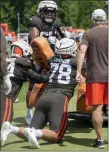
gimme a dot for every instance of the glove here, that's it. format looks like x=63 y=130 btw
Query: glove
x=7 y=84
x=45 y=78
x=52 y=40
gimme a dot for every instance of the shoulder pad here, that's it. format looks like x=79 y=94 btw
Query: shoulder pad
x=57 y=22
x=23 y=62
x=35 y=21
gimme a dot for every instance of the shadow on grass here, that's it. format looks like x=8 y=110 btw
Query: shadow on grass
x=15 y=142
x=19 y=121
x=80 y=141
x=76 y=126
x=74 y=141
x=83 y=124
x=45 y=144
x=27 y=147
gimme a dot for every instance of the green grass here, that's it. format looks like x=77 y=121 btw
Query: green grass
x=79 y=136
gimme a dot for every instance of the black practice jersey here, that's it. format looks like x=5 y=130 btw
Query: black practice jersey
x=45 y=29
x=62 y=76
x=21 y=70
x=17 y=68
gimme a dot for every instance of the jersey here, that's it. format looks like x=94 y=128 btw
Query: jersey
x=21 y=70
x=62 y=76
x=45 y=29
x=17 y=66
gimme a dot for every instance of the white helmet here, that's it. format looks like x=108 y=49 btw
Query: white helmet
x=66 y=46
x=47 y=10
x=99 y=15
x=21 y=48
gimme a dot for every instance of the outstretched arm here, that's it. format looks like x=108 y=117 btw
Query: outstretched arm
x=33 y=33
x=37 y=77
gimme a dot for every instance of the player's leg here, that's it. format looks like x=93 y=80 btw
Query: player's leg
x=39 y=120
x=57 y=109
x=6 y=107
x=29 y=113
x=58 y=117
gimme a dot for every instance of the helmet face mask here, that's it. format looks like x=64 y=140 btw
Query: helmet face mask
x=48 y=15
x=21 y=48
x=17 y=51
x=47 y=11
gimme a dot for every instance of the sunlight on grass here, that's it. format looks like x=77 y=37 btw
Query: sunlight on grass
x=79 y=135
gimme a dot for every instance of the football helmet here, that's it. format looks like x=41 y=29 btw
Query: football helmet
x=66 y=46
x=99 y=15
x=21 y=48
x=47 y=10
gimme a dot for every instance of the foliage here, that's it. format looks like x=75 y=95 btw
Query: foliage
x=72 y=13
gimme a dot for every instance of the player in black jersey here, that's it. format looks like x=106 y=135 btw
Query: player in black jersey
x=52 y=106
x=42 y=25
x=21 y=68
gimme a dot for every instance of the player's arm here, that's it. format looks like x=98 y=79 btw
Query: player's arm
x=33 y=28
x=37 y=78
x=33 y=33
x=26 y=67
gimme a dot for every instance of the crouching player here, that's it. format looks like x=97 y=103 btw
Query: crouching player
x=52 y=106
x=21 y=68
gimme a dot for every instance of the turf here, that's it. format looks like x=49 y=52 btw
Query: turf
x=79 y=135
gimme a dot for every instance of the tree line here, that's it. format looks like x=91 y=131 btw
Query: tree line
x=76 y=14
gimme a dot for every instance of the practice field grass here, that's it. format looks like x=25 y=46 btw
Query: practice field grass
x=79 y=136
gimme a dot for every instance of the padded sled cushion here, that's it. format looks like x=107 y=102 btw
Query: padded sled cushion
x=81 y=106
x=37 y=91
x=42 y=52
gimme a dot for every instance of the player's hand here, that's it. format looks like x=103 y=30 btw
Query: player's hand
x=79 y=78
x=45 y=78
x=7 y=84
x=52 y=40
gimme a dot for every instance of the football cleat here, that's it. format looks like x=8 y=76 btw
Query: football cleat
x=30 y=134
x=5 y=131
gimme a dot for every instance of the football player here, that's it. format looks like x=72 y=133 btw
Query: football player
x=42 y=25
x=21 y=68
x=52 y=106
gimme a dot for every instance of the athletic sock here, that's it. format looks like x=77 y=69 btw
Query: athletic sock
x=29 y=112
x=14 y=129
x=38 y=133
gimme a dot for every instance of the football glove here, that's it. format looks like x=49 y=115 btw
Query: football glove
x=7 y=84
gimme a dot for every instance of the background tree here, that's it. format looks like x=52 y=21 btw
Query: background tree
x=85 y=9
x=72 y=13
